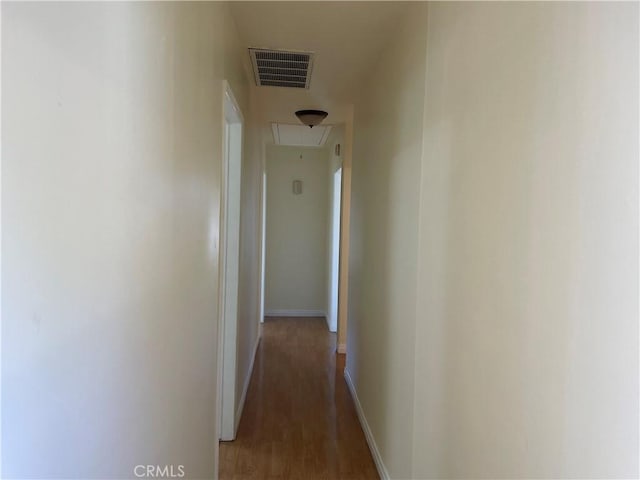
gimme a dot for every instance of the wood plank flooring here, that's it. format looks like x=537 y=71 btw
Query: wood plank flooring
x=299 y=421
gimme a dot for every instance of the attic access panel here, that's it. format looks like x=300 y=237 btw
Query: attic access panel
x=300 y=135
x=281 y=68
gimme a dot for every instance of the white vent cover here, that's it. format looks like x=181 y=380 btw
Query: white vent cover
x=280 y=68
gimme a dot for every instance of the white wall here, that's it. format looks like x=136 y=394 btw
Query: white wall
x=527 y=338
x=493 y=327
x=249 y=274
x=385 y=195
x=345 y=233
x=296 y=237
x=111 y=193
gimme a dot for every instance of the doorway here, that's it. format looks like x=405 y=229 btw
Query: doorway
x=335 y=250
x=229 y=264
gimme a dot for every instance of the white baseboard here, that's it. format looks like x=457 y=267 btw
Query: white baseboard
x=247 y=381
x=382 y=470
x=295 y=313
x=342 y=348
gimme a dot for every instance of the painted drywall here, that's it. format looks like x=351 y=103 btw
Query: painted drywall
x=527 y=331
x=334 y=163
x=296 y=236
x=111 y=156
x=345 y=234
x=248 y=319
x=385 y=195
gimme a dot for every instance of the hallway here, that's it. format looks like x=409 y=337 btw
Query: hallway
x=299 y=420
x=464 y=214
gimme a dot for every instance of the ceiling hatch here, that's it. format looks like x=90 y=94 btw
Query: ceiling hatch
x=300 y=135
x=281 y=68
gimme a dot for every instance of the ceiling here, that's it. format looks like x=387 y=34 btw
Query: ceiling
x=346 y=38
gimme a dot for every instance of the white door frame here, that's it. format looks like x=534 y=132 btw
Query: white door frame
x=263 y=236
x=334 y=267
x=232 y=123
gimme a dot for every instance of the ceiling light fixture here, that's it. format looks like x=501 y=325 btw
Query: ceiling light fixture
x=311 y=117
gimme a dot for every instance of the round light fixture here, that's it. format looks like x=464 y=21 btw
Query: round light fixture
x=311 y=117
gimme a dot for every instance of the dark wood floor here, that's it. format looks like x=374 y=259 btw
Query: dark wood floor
x=299 y=421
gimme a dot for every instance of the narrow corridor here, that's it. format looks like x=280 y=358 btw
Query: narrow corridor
x=299 y=420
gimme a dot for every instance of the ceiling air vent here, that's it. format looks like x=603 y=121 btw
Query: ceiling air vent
x=280 y=68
